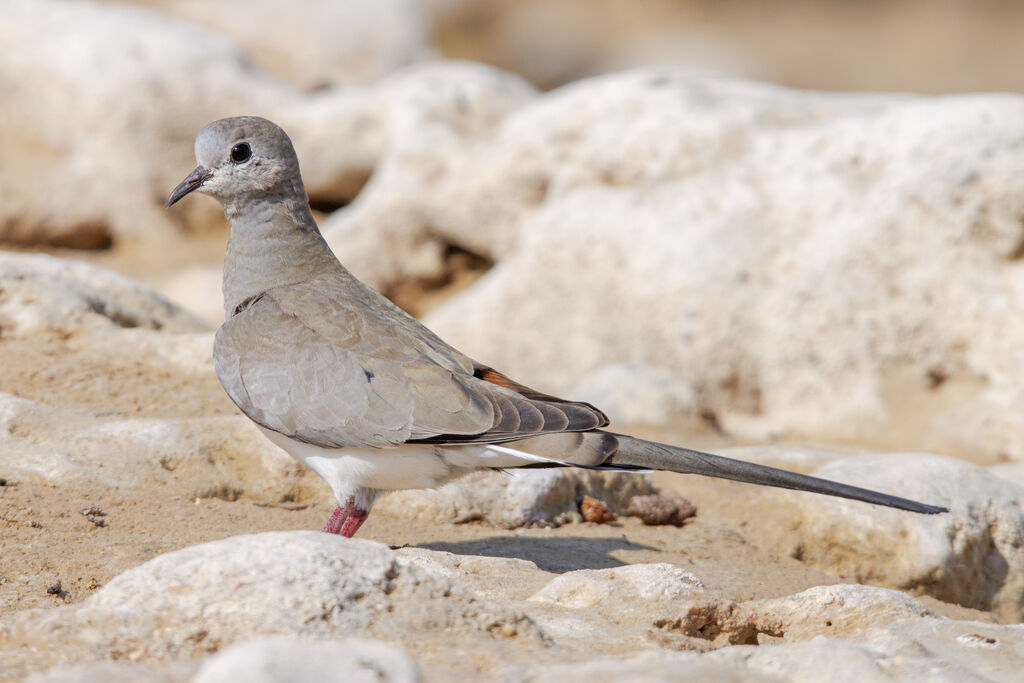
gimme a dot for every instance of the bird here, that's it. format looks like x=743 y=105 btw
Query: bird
x=342 y=379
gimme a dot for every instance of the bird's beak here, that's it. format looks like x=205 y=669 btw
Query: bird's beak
x=194 y=181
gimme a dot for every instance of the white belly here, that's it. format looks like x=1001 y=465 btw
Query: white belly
x=410 y=466
x=347 y=469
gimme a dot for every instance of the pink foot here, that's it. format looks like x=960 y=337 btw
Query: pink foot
x=353 y=522
x=346 y=519
x=339 y=517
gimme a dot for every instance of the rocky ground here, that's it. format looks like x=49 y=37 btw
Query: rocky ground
x=822 y=282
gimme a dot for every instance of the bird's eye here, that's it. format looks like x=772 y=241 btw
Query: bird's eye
x=241 y=152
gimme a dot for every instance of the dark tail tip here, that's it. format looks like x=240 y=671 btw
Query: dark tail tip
x=925 y=509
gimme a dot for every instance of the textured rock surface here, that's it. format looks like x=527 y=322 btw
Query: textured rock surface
x=45 y=295
x=649 y=582
x=281 y=660
x=118 y=672
x=833 y=611
x=72 y=332
x=971 y=556
x=907 y=650
x=206 y=597
x=86 y=179
x=512 y=499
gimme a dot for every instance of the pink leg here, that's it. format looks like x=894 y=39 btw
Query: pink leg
x=340 y=516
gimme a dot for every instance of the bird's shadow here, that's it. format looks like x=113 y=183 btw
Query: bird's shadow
x=556 y=555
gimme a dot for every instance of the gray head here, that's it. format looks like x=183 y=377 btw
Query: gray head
x=242 y=157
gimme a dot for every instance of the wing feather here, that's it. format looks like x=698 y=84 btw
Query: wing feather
x=360 y=372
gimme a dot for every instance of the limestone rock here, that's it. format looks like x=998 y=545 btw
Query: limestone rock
x=644 y=668
x=831 y=611
x=544 y=497
x=917 y=649
x=635 y=393
x=971 y=556
x=43 y=294
x=648 y=582
x=278 y=659
x=906 y=650
x=1011 y=471
x=118 y=672
x=105 y=380
x=94 y=94
x=203 y=598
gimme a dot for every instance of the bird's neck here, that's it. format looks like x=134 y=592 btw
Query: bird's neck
x=273 y=242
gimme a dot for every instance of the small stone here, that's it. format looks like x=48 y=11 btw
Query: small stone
x=94 y=513
x=54 y=589
x=655 y=510
x=595 y=511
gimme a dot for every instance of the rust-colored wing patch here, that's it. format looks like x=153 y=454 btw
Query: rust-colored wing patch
x=495 y=377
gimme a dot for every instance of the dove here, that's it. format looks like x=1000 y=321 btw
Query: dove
x=373 y=401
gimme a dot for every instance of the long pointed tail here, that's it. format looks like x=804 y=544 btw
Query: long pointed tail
x=632 y=452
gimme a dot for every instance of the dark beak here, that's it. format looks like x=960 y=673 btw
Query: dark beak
x=194 y=180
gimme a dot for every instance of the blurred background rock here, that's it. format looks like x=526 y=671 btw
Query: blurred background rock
x=931 y=46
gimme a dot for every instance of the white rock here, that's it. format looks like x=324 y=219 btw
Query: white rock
x=110 y=382
x=43 y=294
x=117 y=672
x=1010 y=471
x=932 y=649
x=648 y=582
x=277 y=659
x=831 y=611
x=422 y=124
x=972 y=556
x=636 y=393
x=217 y=456
x=644 y=668
x=918 y=649
x=300 y=584
x=814 y=660
x=965 y=650
x=543 y=497
x=96 y=94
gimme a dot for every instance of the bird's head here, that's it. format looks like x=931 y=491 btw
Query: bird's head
x=241 y=157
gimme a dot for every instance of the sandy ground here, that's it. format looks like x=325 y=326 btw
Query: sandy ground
x=45 y=539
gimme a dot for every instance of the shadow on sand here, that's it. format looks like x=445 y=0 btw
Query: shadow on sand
x=550 y=554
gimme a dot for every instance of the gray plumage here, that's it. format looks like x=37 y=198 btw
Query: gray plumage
x=333 y=371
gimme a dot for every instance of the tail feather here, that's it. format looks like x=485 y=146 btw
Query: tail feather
x=633 y=452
